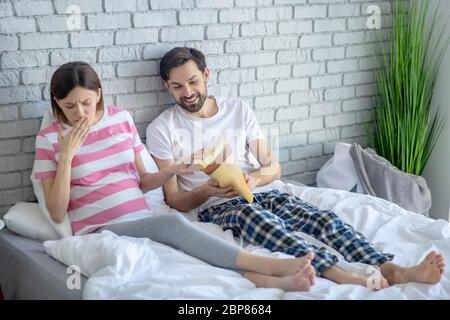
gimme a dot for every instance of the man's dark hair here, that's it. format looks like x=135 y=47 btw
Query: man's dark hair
x=179 y=56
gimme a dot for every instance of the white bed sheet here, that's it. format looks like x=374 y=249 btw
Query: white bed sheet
x=130 y=268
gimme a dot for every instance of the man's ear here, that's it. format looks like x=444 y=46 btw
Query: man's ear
x=206 y=74
x=166 y=84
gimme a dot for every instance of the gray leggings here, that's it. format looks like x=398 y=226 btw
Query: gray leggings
x=178 y=232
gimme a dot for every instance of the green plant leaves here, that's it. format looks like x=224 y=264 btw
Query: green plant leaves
x=404 y=131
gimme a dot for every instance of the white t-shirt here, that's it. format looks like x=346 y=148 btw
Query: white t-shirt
x=176 y=135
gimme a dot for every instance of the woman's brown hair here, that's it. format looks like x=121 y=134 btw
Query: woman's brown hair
x=71 y=75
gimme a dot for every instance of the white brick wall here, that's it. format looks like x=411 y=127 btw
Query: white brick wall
x=306 y=67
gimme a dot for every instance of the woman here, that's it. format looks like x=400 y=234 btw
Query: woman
x=90 y=165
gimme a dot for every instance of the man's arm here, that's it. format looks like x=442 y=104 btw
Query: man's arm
x=185 y=201
x=270 y=167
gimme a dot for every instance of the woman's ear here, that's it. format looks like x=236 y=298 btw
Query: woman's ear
x=99 y=94
x=57 y=101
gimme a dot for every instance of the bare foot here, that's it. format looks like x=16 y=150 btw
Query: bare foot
x=300 y=281
x=428 y=271
x=287 y=267
x=271 y=266
x=440 y=262
x=341 y=276
x=384 y=284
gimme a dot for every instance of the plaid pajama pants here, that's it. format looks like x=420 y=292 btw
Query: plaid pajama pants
x=273 y=218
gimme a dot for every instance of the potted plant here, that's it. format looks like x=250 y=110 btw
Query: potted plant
x=404 y=131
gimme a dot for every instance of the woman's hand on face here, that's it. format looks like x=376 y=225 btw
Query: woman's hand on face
x=71 y=142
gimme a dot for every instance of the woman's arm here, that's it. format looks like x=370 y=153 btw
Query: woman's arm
x=188 y=200
x=57 y=189
x=150 y=181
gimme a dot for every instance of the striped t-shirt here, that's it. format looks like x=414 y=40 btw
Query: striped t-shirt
x=104 y=185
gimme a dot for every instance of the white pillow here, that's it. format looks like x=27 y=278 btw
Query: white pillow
x=339 y=172
x=63 y=229
x=26 y=219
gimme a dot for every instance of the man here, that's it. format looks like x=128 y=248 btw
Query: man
x=196 y=122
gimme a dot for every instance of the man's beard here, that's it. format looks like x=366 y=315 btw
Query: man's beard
x=192 y=108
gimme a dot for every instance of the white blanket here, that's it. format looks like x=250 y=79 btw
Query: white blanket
x=130 y=268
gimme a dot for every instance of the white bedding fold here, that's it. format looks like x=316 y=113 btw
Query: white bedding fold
x=130 y=268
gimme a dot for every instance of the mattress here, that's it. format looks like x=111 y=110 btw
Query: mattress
x=121 y=270
x=27 y=272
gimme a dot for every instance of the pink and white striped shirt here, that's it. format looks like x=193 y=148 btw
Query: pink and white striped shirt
x=104 y=185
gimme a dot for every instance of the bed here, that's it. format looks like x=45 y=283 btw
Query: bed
x=27 y=272
x=129 y=268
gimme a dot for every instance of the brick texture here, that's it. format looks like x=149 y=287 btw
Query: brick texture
x=305 y=67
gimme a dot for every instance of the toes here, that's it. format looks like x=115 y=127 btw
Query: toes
x=308 y=271
x=306 y=286
x=303 y=267
x=304 y=261
x=304 y=271
x=303 y=284
x=311 y=277
x=310 y=255
x=439 y=262
x=384 y=284
x=431 y=256
x=439 y=258
x=311 y=273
